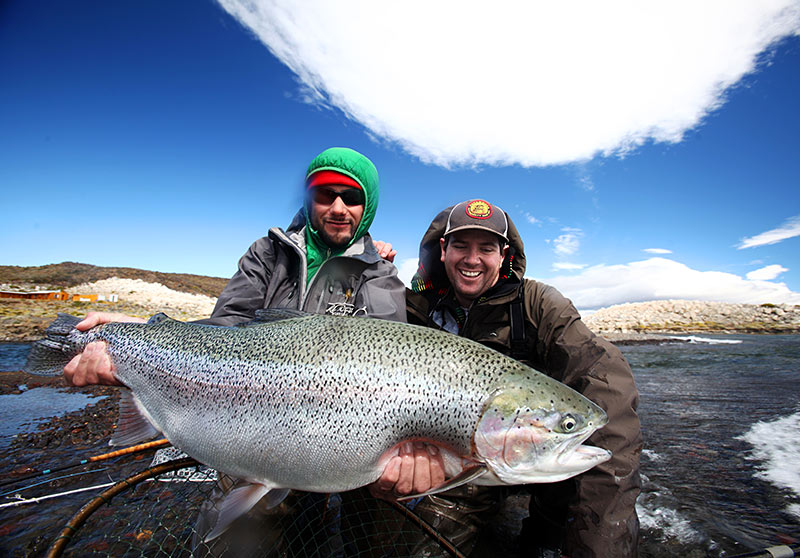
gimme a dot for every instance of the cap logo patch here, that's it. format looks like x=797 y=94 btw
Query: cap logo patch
x=479 y=209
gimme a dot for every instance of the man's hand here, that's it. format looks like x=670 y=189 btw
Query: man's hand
x=418 y=467
x=385 y=250
x=93 y=365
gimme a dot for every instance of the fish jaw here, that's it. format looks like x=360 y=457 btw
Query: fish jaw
x=524 y=440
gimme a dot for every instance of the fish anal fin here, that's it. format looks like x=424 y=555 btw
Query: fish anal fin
x=239 y=501
x=132 y=426
x=467 y=475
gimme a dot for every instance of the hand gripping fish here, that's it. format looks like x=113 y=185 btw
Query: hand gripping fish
x=322 y=403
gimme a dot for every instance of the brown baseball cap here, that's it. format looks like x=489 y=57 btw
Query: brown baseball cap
x=477 y=214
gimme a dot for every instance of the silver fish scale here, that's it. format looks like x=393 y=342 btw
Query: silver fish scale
x=297 y=402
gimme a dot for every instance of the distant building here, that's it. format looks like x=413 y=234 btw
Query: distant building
x=95 y=298
x=36 y=295
x=59 y=295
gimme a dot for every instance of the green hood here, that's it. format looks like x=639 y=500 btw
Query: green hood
x=359 y=168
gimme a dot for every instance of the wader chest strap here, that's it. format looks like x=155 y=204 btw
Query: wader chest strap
x=518 y=327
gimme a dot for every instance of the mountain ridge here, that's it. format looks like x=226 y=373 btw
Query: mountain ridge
x=70 y=274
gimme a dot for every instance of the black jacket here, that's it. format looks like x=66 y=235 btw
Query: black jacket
x=600 y=519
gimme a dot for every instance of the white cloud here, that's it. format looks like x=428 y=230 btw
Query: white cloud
x=565 y=266
x=653 y=279
x=657 y=251
x=766 y=273
x=529 y=83
x=789 y=229
x=659 y=279
x=568 y=243
x=406 y=270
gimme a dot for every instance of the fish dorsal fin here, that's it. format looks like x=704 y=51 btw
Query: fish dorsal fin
x=267 y=315
x=132 y=426
x=158 y=318
x=239 y=501
x=467 y=475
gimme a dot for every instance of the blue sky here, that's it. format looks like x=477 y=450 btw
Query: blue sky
x=655 y=159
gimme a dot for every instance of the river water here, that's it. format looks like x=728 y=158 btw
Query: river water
x=721 y=422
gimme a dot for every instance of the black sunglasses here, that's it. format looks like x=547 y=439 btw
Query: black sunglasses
x=326 y=196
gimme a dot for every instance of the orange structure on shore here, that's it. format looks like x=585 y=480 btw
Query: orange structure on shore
x=60 y=295
x=36 y=295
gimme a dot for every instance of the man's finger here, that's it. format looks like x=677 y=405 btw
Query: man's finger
x=422 y=468
x=93 y=362
x=436 y=466
x=390 y=475
x=93 y=319
x=406 y=481
x=70 y=371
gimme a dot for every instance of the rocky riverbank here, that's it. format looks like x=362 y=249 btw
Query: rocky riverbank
x=688 y=316
x=24 y=320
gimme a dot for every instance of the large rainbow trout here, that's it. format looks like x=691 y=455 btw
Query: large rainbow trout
x=321 y=403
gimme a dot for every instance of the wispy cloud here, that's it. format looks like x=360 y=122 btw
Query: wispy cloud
x=568 y=243
x=529 y=83
x=566 y=266
x=789 y=229
x=531 y=219
x=767 y=273
x=661 y=278
x=657 y=251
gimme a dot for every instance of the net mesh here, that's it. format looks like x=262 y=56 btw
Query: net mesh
x=170 y=514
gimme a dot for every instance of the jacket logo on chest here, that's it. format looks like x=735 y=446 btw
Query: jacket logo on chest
x=345 y=309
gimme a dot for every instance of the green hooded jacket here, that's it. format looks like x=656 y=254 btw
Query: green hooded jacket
x=355 y=165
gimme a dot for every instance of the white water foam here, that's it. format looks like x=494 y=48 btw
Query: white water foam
x=706 y=340
x=667 y=520
x=651 y=455
x=656 y=512
x=776 y=445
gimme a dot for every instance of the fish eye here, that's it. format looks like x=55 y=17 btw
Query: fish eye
x=568 y=423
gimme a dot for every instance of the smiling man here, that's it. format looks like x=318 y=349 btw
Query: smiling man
x=471 y=283
x=325 y=262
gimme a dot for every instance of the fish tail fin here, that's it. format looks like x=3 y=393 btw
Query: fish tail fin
x=49 y=355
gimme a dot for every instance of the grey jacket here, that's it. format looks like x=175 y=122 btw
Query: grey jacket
x=272 y=274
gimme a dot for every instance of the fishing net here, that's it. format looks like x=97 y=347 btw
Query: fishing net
x=168 y=509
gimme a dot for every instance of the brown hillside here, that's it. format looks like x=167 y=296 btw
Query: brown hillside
x=69 y=274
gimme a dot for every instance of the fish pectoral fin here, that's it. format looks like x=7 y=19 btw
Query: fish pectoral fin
x=132 y=426
x=467 y=475
x=239 y=501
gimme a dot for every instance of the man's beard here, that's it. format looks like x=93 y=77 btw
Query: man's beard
x=330 y=243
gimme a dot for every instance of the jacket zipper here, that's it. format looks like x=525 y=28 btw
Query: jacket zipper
x=303 y=260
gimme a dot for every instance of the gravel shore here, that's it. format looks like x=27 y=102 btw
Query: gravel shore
x=23 y=320
x=688 y=316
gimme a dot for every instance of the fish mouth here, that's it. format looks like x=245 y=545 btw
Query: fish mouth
x=574 y=453
x=577 y=456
